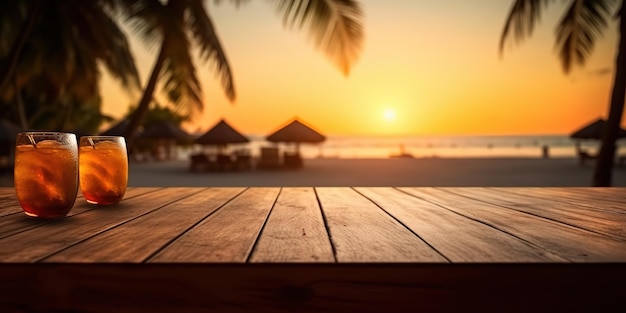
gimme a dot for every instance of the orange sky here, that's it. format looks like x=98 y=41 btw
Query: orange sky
x=433 y=66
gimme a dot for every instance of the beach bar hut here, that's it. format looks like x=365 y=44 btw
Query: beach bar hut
x=220 y=136
x=166 y=135
x=295 y=133
x=591 y=131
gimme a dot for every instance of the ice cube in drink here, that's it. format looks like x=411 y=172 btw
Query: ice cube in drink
x=46 y=178
x=103 y=172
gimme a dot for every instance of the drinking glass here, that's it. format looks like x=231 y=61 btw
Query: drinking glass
x=103 y=170
x=46 y=173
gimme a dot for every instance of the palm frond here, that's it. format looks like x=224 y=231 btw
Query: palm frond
x=145 y=18
x=521 y=20
x=105 y=41
x=576 y=33
x=211 y=49
x=180 y=82
x=237 y=3
x=335 y=26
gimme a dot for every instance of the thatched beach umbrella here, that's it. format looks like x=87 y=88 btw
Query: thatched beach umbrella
x=221 y=135
x=594 y=130
x=116 y=130
x=165 y=130
x=166 y=135
x=296 y=132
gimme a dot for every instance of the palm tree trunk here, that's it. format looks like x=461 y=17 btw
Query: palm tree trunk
x=21 y=110
x=604 y=166
x=137 y=117
x=16 y=50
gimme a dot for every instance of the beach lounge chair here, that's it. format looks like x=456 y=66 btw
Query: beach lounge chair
x=225 y=162
x=583 y=156
x=199 y=162
x=269 y=158
x=292 y=160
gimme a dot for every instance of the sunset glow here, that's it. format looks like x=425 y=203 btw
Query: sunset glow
x=436 y=62
x=389 y=115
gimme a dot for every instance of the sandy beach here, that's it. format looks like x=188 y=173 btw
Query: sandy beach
x=436 y=172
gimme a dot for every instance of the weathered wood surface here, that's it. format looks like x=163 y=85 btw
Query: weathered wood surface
x=316 y=249
x=329 y=225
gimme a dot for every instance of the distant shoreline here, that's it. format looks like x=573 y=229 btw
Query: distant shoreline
x=407 y=172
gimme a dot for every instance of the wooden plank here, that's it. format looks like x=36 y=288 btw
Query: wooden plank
x=294 y=231
x=362 y=232
x=568 y=242
x=457 y=237
x=49 y=238
x=615 y=193
x=138 y=239
x=602 y=222
x=12 y=206
x=12 y=224
x=591 y=198
x=228 y=235
x=278 y=287
x=7 y=199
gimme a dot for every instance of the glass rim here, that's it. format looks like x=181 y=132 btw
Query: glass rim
x=40 y=133
x=101 y=137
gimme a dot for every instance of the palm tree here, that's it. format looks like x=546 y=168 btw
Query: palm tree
x=56 y=59
x=335 y=26
x=583 y=22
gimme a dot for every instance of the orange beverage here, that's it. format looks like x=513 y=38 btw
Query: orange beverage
x=46 y=173
x=103 y=171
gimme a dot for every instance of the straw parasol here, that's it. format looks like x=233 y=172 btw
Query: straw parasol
x=164 y=135
x=221 y=134
x=296 y=132
x=594 y=130
x=116 y=130
x=165 y=130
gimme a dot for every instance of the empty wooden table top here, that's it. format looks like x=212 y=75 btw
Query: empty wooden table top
x=328 y=232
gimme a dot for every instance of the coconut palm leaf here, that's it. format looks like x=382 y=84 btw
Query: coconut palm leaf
x=180 y=82
x=146 y=18
x=211 y=49
x=576 y=33
x=335 y=26
x=521 y=20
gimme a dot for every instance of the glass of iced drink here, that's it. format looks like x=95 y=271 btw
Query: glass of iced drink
x=46 y=173
x=103 y=170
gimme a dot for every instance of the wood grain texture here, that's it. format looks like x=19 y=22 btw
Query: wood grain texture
x=595 y=199
x=8 y=202
x=457 y=237
x=362 y=232
x=609 y=223
x=568 y=242
x=228 y=235
x=49 y=238
x=138 y=239
x=415 y=287
x=16 y=223
x=294 y=231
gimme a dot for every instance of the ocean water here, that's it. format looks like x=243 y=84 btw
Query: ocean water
x=434 y=146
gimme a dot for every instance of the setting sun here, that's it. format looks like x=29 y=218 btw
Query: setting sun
x=389 y=115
